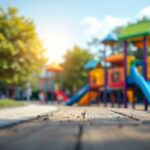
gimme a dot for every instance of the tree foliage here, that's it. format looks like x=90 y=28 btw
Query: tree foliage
x=74 y=72
x=21 y=52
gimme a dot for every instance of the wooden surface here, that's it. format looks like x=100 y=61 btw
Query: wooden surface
x=81 y=128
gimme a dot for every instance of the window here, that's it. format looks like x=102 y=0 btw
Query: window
x=115 y=76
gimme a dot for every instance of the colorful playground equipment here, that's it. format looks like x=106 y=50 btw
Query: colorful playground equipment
x=126 y=76
x=139 y=35
x=56 y=92
x=48 y=84
x=90 y=91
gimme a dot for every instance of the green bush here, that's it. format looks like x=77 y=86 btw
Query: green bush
x=4 y=103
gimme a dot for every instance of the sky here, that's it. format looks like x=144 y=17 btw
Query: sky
x=61 y=24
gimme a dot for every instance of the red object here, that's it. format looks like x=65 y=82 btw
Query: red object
x=60 y=95
x=115 y=78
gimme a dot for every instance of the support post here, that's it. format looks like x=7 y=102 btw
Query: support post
x=98 y=97
x=105 y=84
x=61 y=81
x=145 y=68
x=125 y=75
x=134 y=100
x=89 y=90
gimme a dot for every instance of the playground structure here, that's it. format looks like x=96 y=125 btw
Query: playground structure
x=90 y=91
x=139 y=35
x=48 y=84
x=127 y=75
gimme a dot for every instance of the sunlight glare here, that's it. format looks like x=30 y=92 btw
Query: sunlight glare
x=56 y=41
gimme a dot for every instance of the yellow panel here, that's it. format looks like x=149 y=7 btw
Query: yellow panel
x=87 y=98
x=97 y=77
x=129 y=60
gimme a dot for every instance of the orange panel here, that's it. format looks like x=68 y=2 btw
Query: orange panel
x=148 y=68
x=130 y=94
x=115 y=58
x=87 y=98
x=141 y=44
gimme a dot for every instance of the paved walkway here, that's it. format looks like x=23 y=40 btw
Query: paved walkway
x=11 y=116
x=81 y=128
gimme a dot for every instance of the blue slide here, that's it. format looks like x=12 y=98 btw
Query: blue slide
x=78 y=96
x=141 y=82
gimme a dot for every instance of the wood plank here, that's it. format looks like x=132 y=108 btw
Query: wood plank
x=104 y=116
x=115 y=138
x=142 y=116
x=44 y=137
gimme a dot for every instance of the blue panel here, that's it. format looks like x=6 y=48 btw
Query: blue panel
x=141 y=82
x=110 y=37
x=130 y=80
x=92 y=64
x=77 y=97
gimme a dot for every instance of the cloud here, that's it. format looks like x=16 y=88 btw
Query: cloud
x=110 y=22
x=96 y=26
x=145 y=12
x=101 y=27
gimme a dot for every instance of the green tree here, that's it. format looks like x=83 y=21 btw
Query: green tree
x=74 y=73
x=143 y=19
x=21 y=52
x=117 y=30
x=97 y=47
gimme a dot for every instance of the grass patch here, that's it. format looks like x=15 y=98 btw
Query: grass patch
x=5 y=103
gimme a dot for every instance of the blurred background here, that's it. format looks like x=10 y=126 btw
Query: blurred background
x=37 y=38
